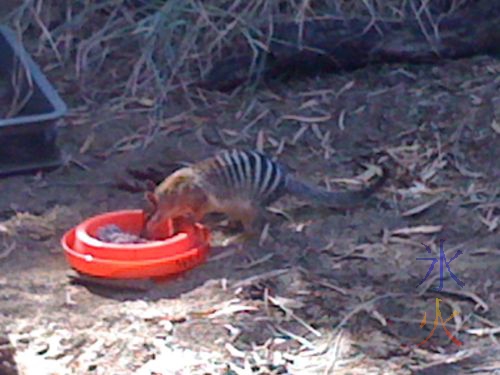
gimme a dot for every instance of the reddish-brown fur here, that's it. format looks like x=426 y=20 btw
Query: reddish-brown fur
x=237 y=184
x=180 y=196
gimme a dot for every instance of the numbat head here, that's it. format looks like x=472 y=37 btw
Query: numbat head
x=177 y=196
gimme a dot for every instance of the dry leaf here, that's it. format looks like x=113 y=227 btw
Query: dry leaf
x=88 y=142
x=273 y=141
x=260 y=141
x=309 y=103
x=232 y=309
x=264 y=234
x=281 y=147
x=495 y=126
x=421 y=208
x=146 y=102
x=491 y=223
x=231 y=133
x=286 y=303
x=299 y=134
x=483 y=331
x=233 y=351
x=421 y=229
x=371 y=171
x=307 y=119
x=342 y=119
x=476 y=100
x=347 y=181
x=317 y=132
x=349 y=85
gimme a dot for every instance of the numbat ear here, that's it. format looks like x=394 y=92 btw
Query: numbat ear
x=150 y=186
x=151 y=202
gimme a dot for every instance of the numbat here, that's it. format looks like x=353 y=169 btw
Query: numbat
x=239 y=184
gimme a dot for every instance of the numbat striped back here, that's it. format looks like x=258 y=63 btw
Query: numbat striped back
x=237 y=183
x=243 y=174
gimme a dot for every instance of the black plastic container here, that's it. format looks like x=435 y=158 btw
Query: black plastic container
x=28 y=134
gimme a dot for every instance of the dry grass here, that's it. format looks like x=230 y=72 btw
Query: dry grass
x=154 y=51
x=154 y=48
x=143 y=57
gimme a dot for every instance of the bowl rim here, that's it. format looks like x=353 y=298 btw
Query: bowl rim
x=83 y=235
x=85 y=257
x=134 y=269
x=96 y=243
x=89 y=258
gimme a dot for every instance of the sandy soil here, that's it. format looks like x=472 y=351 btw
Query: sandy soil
x=326 y=292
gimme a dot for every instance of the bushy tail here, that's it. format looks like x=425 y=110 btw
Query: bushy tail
x=340 y=199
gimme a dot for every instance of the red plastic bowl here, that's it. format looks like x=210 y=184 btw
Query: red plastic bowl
x=173 y=255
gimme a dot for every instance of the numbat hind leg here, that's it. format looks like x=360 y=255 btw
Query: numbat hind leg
x=247 y=215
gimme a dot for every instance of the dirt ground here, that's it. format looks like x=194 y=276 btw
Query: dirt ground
x=326 y=292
